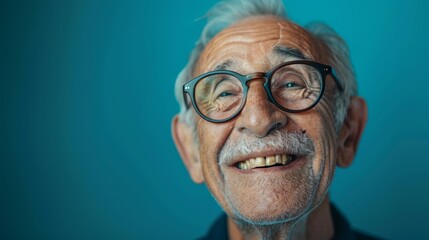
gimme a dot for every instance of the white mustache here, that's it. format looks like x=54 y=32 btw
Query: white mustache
x=296 y=143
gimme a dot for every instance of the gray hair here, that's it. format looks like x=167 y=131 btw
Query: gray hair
x=227 y=12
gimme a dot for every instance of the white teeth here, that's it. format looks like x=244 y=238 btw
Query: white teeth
x=252 y=162
x=265 y=161
x=271 y=160
x=259 y=162
x=279 y=159
x=284 y=159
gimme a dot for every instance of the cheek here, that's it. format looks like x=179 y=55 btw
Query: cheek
x=207 y=148
x=318 y=125
x=324 y=165
x=212 y=138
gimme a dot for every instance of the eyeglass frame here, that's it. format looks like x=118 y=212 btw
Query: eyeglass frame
x=324 y=70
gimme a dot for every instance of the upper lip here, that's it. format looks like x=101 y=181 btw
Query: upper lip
x=256 y=154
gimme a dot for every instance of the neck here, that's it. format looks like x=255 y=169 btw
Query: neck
x=316 y=225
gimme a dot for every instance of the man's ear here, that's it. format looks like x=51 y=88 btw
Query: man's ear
x=185 y=144
x=351 y=131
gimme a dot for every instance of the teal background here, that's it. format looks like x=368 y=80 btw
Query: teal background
x=86 y=97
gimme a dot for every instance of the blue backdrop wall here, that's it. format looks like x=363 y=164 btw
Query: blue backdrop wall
x=86 y=97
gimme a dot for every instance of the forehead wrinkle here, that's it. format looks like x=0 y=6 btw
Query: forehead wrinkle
x=258 y=64
x=241 y=61
x=267 y=58
x=257 y=29
x=304 y=38
x=244 y=34
x=280 y=33
x=244 y=60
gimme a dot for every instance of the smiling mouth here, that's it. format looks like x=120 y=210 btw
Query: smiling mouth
x=265 y=162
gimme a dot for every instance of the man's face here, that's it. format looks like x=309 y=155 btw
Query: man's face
x=276 y=193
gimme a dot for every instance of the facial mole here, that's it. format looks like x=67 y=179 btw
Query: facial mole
x=303 y=131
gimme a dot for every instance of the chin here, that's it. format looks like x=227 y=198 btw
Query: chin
x=273 y=203
x=274 y=216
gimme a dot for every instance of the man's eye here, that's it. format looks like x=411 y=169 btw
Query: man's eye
x=225 y=94
x=290 y=84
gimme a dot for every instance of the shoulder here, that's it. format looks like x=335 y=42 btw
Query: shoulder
x=218 y=230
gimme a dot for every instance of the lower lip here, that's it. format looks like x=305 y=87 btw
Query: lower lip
x=297 y=163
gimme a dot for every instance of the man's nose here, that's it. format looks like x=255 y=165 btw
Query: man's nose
x=259 y=116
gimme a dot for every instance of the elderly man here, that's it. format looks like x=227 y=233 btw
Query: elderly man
x=268 y=110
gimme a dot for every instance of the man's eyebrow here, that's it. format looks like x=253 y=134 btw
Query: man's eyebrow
x=289 y=52
x=223 y=65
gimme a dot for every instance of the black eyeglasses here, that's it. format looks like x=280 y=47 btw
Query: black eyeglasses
x=295 y=86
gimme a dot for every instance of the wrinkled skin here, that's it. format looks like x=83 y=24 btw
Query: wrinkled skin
x=268 y=198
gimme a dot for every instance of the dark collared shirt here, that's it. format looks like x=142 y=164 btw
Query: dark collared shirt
x=343 y=230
